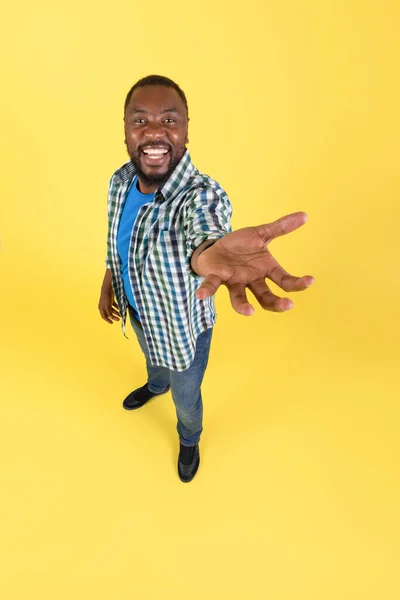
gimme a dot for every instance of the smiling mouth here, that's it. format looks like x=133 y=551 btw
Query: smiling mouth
x=154 y=156
x=155 y=151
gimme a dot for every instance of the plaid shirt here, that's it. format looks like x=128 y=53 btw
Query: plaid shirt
x=189 y=209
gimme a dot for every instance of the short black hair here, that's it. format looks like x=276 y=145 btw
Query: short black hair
x=157 y=80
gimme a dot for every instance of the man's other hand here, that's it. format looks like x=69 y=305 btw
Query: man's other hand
x=108 y=307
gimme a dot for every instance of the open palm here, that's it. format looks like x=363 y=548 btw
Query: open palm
x=241 y=259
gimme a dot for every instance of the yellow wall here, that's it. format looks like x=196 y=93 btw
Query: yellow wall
x=294 y=106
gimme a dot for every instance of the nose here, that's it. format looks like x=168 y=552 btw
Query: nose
x=154 y=131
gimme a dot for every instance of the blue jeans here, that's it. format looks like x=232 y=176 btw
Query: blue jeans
x=185 y=385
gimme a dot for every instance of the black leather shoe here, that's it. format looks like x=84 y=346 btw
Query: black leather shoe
x=139 y=397
x=188 y=462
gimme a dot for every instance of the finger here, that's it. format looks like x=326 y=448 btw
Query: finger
x=115 y=315
x=289 y=283
x=104 y=315
x=267 y=299
x=107 y=312
x=110 y=313
x=115 y=308
x=281 y=226
x=209 y=286
x=240 y=304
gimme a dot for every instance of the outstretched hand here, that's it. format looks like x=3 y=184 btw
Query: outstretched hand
x=241 y=259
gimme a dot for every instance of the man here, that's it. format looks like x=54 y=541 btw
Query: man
x=170 y=247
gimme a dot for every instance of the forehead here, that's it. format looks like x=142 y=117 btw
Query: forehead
x=155 y=99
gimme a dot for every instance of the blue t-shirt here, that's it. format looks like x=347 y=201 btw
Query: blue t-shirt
x=133 y=202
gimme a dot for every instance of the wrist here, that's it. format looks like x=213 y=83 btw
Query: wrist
x=195 y=257
x=204 y=246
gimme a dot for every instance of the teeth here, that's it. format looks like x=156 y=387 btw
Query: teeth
x=155 y=151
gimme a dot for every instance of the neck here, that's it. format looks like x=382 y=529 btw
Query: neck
x=146 y=188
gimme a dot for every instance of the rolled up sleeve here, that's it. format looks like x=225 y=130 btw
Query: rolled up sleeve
x=208 y=217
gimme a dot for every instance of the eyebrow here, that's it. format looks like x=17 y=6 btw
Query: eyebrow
x=144 y=111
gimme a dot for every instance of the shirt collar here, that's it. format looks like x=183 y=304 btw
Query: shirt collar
x=175 y=184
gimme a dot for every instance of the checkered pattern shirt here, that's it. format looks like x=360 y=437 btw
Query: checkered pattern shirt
x=189 y=209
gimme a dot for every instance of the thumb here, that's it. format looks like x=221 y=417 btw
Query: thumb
x=281 y=226
x=209 y=286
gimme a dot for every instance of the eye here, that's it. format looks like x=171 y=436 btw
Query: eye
x=170 y=120
x=139 y=120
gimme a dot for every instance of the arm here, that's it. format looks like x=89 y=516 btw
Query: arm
x=107 y=306
x=107 y=281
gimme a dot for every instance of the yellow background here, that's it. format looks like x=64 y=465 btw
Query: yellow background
x=294 y=106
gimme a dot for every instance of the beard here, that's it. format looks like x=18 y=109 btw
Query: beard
x=158 y=179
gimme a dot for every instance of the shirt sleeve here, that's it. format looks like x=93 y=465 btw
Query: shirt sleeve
x=208 y=217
